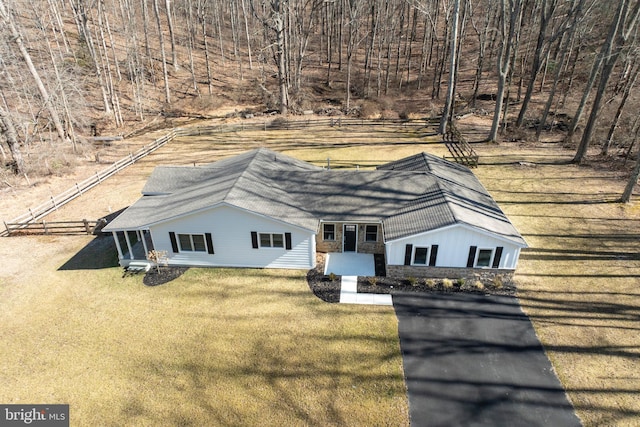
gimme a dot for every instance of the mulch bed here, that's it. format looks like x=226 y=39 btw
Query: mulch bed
x=166 y=274
x=322 y=286
x=387 y=285
x=329 y=290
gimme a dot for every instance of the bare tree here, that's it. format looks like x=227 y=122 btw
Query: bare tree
x=453 y=65
x=633 y=180
x=273 y=18
x=510 y=23
x=6 y=16
x=165 y=73
x=8 y=129
x=172 y=35
x=482 y=32
x=620 y=30
x=616 y=119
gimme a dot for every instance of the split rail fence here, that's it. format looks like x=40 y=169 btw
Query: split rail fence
x=25 y=222
x=53 y=227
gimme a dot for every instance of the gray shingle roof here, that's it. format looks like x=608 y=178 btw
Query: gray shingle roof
x=412 y=195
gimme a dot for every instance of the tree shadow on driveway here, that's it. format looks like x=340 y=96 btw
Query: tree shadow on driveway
x=476 y=360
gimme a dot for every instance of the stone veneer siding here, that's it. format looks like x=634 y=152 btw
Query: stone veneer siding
x=362 y=246
x=403 y=271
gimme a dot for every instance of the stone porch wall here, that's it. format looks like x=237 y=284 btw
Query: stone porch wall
x=362 y=247
x=403 y=271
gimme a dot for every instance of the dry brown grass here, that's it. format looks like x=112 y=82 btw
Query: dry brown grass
x=213 y=347
x=578 y=282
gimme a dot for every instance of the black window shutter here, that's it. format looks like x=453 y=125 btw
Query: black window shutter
x=254 y=239
x=174 y=242
x=287 y=241
x=209 y=243
x=408 y=250
x=472 y=256
x=497 y=256
x=433 y=255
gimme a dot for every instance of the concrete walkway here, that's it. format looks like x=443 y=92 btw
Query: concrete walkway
x=349 y=294
x=350 y=265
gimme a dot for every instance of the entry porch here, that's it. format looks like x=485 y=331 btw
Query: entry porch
x=132 y=245
x=350 y=264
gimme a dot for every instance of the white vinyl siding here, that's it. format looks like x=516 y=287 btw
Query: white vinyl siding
x=453 y=247
x=232 y=228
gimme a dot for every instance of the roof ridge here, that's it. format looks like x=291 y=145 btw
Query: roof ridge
x=232 y=187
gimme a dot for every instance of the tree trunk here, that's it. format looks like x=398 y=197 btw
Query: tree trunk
x=17 y=38
x=281 y=58
x=167 y=92
x=9 y=130
x=205 y=40
x=619 y=30
x=633 y=180
x=453 y=52
x=172 y=36
x=616 y=119
x=552 y=92
x=545 y=15
x=512 y=13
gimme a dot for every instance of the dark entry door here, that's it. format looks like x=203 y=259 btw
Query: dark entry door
x=350 y=237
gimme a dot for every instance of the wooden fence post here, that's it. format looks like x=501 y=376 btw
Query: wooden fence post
x=86 y=226
x=44 y=227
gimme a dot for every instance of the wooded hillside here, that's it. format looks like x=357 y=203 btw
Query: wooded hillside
x=73 y=69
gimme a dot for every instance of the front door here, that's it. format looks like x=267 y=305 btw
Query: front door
x=350 y=233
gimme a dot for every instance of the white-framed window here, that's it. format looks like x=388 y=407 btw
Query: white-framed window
x=329 y=232
x=192 y=243
x=271 y=240
x=484 y=258
x=371 y=233
x=421 y=255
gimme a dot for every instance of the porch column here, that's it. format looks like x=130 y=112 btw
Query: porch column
x=115 y=238
x=126 y=237
x=144 y=242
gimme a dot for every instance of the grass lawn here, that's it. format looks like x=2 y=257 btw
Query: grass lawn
x=579 y=281
x=213 y=347
x=255 y=347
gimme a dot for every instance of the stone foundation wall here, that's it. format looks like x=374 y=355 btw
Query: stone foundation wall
x=403 y=271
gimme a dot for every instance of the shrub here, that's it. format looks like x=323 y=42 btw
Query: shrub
x=478 y=285
x=279 y=123
x=498 y=281
x=373 y=280
x=412 y=281
x=369 y=110
x=333 y=276
x=461 y=281
x=447 y=283
x=430 y=283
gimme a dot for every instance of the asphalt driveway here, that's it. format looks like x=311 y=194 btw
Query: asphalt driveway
x=475 y=360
